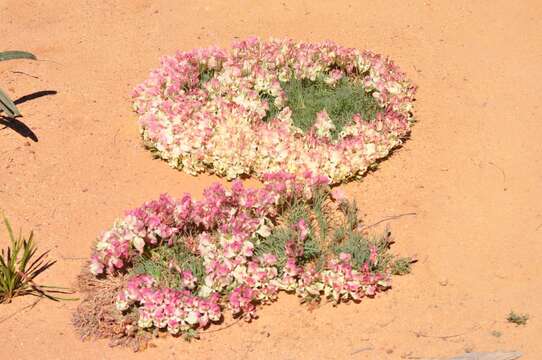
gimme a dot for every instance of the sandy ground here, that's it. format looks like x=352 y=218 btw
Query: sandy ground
x=471 y=170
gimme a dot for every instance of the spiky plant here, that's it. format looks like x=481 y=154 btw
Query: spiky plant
x=20 y=264
x=6 y=104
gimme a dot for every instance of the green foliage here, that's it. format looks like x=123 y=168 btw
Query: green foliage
x=318 y=200
x=156 y=262
x=205 y=75
x=327 y=239
x=401 y=266
x=191 y=334
x=342 y=101
x=350 y=209
x=276 y=242
x=11 y=55
x=19 y=267
x=349 y=239
x=296 y=210
x=518 y=319
x=6 y=104
x=357 y=245
x=496 y=333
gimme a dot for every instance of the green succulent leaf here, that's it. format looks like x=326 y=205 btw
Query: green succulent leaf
x=11 y=55
x=7 y=106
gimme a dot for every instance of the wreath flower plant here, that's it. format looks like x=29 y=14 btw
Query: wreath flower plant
x=277 y=105
x=179 y=264
x=300 y=117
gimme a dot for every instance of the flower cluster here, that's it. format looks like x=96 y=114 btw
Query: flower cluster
x=224 y=229
x=206 y=109
x=239 y=212
x=229 y=263
x=176 y=310
x=337 y=281
x=341 y=282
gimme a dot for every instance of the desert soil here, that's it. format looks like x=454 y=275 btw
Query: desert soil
x=471 y=170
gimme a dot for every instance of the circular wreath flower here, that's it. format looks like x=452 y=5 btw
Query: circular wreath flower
x=267 y=106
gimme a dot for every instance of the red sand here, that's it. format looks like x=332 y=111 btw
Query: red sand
x=471 y=170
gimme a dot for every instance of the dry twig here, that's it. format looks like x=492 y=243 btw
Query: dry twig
x=445 y=337
x=389 y=218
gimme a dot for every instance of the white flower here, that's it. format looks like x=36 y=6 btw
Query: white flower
x=138 y=243
x=192 y=317
x=263 y=230
x=370 y=149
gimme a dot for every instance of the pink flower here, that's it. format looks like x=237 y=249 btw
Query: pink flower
x=323 y=124
x=188 y=279
x=338 y=195
x=345 y=257
x=290 y=249
x=96 y=266
x=303 y=229
x=269 y=259
x=248 y=249
x=373 y=257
